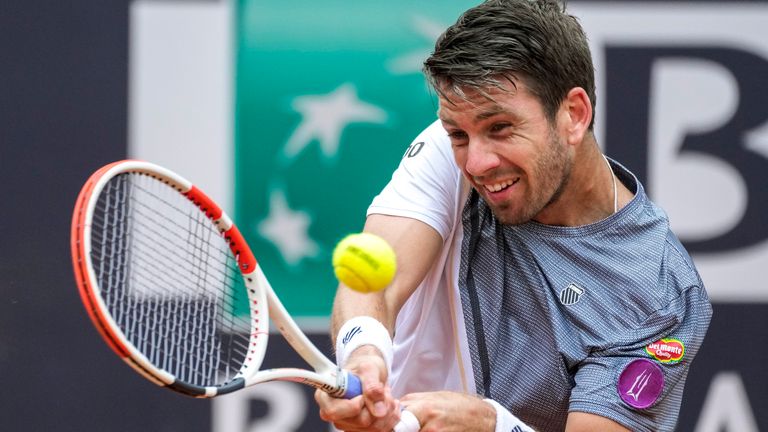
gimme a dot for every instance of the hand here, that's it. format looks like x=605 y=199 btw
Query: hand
x=375 y=410
x=451 y=412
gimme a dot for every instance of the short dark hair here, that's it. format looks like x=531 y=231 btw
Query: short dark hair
x=533 y=41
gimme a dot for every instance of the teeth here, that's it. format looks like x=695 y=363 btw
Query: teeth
x=499 y=186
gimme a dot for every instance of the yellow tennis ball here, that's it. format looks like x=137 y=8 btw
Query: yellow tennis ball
x=364 y=262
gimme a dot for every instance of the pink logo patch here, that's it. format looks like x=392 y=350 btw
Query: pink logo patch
x=640 y=383
x=666 y=350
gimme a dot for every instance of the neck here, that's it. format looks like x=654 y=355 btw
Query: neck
x=591 y=192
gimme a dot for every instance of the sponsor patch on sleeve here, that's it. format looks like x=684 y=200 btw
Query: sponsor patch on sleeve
x=666 y=350
x=640 y=383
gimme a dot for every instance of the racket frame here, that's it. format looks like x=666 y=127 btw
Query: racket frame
x=263 y=301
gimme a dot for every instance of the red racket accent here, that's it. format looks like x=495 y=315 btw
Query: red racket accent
x=205 y=203
x=245 y=258
x=87 y=294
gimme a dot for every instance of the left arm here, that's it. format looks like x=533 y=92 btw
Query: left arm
x=585 y=422
x=456 y=412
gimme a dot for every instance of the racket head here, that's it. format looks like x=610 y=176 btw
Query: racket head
x=168 y=280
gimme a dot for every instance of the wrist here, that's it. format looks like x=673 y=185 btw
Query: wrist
x=506 y=421
x=365 y=333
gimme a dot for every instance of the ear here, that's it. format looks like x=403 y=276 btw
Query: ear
x=576 y=115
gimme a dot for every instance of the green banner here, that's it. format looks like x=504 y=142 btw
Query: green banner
x=328 y=96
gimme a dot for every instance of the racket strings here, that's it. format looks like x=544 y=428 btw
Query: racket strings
x=169 y=280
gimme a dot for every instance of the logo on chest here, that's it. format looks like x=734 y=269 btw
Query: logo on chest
x=571 y=294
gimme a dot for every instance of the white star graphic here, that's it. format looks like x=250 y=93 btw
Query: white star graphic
x=287 y=229
x=324 y=117
x=414 y=61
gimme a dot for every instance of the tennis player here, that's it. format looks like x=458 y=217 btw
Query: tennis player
x=539 y=288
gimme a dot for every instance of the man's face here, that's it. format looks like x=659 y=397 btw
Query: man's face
x=508 y=150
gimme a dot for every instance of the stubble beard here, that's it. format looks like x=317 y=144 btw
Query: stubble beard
x=553 y=170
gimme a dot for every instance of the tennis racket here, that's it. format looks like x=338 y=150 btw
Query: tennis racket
x=170 y=283
x=173 y=288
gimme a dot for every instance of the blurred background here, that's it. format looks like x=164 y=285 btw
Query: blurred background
x=294 y=114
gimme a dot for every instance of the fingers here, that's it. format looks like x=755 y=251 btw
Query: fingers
x=375 y=393
x=353 y=415
x=382 y=410
x=333 y=409
x=370 y=367
x=375 y=410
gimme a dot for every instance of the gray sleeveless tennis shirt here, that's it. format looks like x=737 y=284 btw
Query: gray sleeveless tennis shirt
x=603 y=318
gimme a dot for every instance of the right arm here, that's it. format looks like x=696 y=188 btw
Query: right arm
x=416 y=247
x=423 y=191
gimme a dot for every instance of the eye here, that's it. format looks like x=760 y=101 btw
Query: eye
x=500 y=127
x=457 y=137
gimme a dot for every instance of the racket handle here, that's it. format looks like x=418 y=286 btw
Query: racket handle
x=354 y=386
x=408 y=422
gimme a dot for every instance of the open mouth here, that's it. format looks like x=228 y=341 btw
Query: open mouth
x=498 y=187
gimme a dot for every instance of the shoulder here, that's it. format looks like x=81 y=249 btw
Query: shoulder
x=430 y=143
x=664 y=287
x=427 y=183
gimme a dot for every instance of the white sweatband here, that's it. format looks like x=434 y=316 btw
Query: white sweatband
x=363 y=330
x=506 y=421
x=408 y=422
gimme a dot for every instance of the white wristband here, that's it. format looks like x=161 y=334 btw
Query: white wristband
x=408 y=423
x=506 y=421
x=363 y=330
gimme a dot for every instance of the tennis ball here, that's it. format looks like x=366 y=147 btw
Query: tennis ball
x=364 y=262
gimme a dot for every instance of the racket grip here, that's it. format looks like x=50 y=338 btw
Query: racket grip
x=354 y=386
x=408 y=423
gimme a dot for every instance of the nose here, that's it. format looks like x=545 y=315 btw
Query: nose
x=481 y=158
